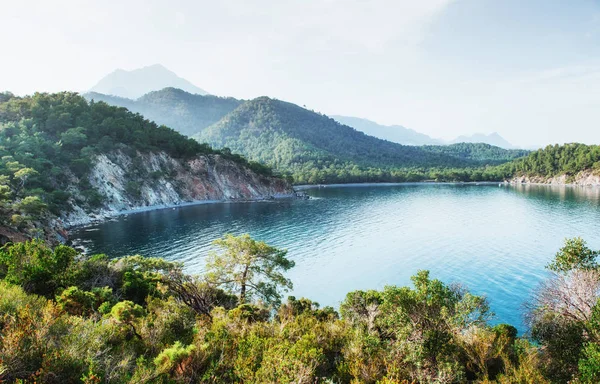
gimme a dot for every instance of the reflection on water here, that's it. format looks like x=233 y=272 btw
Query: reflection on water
x=494 y=239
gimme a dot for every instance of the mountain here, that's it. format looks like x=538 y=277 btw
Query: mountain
x=62 y=158
x=316 y=148
x=406 y=136
x=394 y=133
x=135 y=83
x=286 y=135
x=492 y=139
x=185 y=112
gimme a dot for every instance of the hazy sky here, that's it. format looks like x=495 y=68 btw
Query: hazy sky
x=529 y=69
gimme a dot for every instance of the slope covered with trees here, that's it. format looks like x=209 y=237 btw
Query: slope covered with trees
x=316 y=148
x=68 y=318
x=557 y=160
x=49 y=143
x=478 y=152
x=185 y=112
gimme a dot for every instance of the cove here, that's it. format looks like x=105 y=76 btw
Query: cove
x=493 y=239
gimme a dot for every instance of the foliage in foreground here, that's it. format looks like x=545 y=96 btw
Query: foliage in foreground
x=68 y=318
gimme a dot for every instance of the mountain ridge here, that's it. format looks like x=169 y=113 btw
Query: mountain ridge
x=394 y=133
x=406 y=136
x=316 y=148
x=186 y=112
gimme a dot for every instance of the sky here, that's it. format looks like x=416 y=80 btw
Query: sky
x=528 y=69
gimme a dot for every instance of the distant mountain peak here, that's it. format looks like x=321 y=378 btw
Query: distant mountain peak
x=135 y=83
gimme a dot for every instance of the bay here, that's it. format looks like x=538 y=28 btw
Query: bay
x=494 y=239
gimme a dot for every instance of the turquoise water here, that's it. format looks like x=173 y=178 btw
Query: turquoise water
x=494 y=239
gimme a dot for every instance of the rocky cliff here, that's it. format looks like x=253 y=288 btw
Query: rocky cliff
x=584 y=178
x=125 y=183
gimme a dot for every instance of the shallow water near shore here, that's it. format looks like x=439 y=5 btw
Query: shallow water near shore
x=494 y=239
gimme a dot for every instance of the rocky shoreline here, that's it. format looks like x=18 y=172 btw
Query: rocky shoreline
x=122 y=183
x=159 y=181
x=102 y=216
x=582 y=179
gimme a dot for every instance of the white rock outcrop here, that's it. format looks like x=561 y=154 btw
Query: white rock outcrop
x=157 y=180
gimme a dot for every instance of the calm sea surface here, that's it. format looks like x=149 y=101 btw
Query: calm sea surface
x=494 y=239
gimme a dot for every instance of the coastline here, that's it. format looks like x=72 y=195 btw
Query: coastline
x=568 y=185
x=110 y=215
x=104 y=216
x=304 y=187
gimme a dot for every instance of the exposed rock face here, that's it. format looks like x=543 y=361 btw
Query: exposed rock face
x=584 y=178
x=153 y=180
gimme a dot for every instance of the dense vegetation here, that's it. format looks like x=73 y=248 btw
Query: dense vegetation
x=554 y=160
x=68 y=318
x=180 y=110
x=48 y=143
x=557 y=160
x=478 y=152
x=317 y=149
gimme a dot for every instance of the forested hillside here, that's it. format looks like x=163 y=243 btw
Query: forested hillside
x=316 y=148
x=51 y=143
x=185 y=112
x=310 y=146
x=557 y=160
x=478 y=152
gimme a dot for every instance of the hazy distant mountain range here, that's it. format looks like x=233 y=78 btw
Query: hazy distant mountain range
x=393 y=133
x=138 y=82
x=406 y=136
x=181 y=105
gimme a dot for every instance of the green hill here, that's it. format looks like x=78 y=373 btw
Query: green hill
x=316 y=148
x=557 y=160
x=185 y=112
